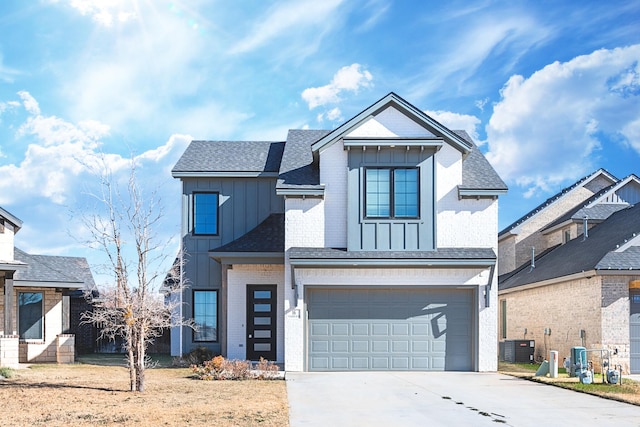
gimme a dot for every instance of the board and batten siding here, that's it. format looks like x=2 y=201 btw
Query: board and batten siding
x=243 y=204
x=369 y=234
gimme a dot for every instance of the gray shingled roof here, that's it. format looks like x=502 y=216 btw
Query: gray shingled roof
x=298 y=168
x=477 y=172
x=595 y=252
x=440 y=254
x=57 y=269
x=268 y=236
x=552 y=199
x=230 y=156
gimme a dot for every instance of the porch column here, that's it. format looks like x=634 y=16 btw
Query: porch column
x=9 y=311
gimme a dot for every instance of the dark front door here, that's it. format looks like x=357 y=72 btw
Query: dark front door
x=261 y=322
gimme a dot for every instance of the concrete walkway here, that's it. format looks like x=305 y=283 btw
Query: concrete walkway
x=443 y=399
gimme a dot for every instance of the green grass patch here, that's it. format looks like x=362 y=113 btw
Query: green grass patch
x=599 y=389
x=6 y=372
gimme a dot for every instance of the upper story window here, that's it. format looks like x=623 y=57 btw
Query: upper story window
x=392 y=193
x=205 y=213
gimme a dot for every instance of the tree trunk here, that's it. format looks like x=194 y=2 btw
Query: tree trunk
x=131 y=358
x=140 y=362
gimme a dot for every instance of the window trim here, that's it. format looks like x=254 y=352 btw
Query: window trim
x=392 y=194
x=41 y=321
x=193 y=213
x=193 y=308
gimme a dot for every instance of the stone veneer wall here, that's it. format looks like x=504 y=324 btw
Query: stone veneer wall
x=66 y=348
x=9 y=350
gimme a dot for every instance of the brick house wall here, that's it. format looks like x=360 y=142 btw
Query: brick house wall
x=598 y=305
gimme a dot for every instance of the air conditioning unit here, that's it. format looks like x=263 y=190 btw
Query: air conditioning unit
x=517 y=351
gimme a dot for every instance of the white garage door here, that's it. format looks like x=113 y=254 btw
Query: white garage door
x=389 y=329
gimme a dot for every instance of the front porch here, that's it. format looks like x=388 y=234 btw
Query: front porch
x=34 y=324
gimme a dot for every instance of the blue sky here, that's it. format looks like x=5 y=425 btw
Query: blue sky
x=550 y=90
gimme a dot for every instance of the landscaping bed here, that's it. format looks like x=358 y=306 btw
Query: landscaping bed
x=96 y=394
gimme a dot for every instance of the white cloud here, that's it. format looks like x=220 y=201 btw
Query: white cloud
x=456 y=121
x=105 y=12
x=55 y=162
x=548 y=128
x=347 y=79
x=285 y=18
x=456 y=60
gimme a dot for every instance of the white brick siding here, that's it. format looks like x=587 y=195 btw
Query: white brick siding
x=333 y=174
x=304 y=222
x=239 y=277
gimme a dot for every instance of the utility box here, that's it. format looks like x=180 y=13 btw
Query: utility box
x=579 y=362
x=517 y=351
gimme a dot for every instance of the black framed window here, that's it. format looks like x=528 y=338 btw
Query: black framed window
x=205 y=315
x=392 y=193
x=205 y=213
x=30 y=315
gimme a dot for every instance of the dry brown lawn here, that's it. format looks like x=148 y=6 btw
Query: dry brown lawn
x=83 y=394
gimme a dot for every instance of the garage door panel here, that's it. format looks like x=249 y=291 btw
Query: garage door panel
x=380 y=329
x=391 y=328
x=360 y=329
x=360 y=363
x=420 y=329
x=400 y=329
x=380 y=363
x=400 y=346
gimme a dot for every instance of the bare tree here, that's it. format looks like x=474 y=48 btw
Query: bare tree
x=122 y=225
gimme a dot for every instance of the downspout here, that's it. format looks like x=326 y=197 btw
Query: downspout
x=487 y=293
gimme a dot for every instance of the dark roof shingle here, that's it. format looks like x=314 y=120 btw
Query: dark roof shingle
x=230 y=156
x=597 y=251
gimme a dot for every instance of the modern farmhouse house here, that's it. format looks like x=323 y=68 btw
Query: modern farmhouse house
x=368 y=247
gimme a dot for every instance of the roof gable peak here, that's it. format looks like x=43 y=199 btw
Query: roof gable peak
x=390 y=104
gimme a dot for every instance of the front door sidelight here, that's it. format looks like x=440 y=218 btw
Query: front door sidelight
x=261 y=322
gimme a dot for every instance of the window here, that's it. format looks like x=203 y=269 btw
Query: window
x=503 y=318
x=205 y=213
x=391 y=193
x=205 y=315
x=30 y=315
x=566 y=236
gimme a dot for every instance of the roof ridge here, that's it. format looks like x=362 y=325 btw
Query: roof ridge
x=555 y=197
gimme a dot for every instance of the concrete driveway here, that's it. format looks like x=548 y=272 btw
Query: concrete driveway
x=443 y=399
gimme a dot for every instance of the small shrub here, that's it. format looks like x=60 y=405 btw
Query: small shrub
x=266 y=370
x=220 y=368
x=6 y=372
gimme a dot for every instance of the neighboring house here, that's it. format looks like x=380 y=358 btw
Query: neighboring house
x=368 y=247
x=580 y=289
x=516 y=241
x=35 y=308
